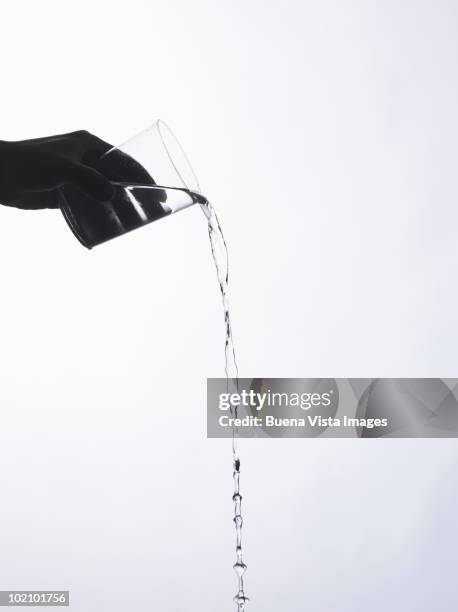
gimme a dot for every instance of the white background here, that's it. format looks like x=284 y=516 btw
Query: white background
x=325 y=133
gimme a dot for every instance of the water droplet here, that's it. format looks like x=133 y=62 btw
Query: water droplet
x=240 y=599
x=238 y=520
x=240 y=569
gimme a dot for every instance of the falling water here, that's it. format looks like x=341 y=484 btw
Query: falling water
x=221 y=259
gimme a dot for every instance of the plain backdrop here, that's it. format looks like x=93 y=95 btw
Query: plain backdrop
x=325 y=134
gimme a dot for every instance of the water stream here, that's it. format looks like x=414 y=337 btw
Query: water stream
x=221 y=259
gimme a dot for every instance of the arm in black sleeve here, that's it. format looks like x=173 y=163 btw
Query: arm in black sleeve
x=32 y=170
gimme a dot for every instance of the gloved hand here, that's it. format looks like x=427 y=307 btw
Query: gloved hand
x=32 y=170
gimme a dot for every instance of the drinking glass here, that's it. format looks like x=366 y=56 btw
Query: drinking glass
x=152 y=178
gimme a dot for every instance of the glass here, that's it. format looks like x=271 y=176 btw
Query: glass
x=161 y=181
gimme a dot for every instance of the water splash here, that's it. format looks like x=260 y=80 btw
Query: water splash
x=221 y=259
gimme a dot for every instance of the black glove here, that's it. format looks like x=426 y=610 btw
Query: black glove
x=32 y=170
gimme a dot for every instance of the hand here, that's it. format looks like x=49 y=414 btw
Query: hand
x=32 y=170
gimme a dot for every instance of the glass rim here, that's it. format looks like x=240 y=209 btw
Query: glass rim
x=162 y=127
